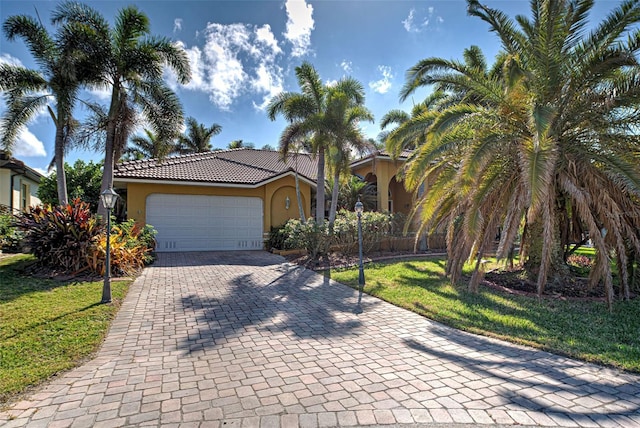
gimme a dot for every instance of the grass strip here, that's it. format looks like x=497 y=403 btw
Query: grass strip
x=584 y=330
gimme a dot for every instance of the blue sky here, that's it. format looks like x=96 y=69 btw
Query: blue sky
x=244 y=52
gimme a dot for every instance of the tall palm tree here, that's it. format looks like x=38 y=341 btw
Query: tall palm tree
x=342 y=119
x=543 y=141
x=148 y=147
x=308 y=114
x=197 y=137
x=55 y=85
x=131 y=63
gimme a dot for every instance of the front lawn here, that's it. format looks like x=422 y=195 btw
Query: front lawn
x=47 y=326
x=581 y=329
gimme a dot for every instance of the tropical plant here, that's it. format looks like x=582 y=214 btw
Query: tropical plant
x=311 y=115
x=197 y=137
x=130 y=63
x=149 y=146
x=55 y=85
x=61 y=237
x=342 y=118
x=239 y=144
x=354 y=188
x=544 y=140
x=10 y=236
x=83 y=182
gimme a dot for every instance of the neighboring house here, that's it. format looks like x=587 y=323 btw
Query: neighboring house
x=380 y=169
x=18 y=184
x=221 y=200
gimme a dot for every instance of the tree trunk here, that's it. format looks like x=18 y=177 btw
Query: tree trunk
x=558 y=270
x=300 y=208
x=320 y=188
x=334 y=198
x=109 y=149
x=61 y=177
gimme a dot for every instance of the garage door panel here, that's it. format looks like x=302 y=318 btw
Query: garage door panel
x=201 y=223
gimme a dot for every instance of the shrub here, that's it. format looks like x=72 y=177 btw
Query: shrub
x=376 y=227
x=310 y=236
x=10 y=236
x=69 y=239
x=129 y=245
x=61 y=237
x=277 y=239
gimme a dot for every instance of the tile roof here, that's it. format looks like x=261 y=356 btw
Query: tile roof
x=404 y=155
x=236 y=166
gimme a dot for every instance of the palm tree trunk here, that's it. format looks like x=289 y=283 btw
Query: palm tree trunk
x=320 y=188
x=334 y=197
x=61 y=177
x=109 y=150
x=298 y=197
x=558 y=270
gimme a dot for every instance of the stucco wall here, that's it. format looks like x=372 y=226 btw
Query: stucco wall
x=384 y=170
x=272 y=195
x=11 y=196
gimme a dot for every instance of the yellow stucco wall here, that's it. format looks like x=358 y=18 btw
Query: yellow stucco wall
x=384 y=170
x=12 y=196
x=272 y=194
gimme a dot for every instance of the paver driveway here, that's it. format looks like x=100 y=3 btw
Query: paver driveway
x=241 y=339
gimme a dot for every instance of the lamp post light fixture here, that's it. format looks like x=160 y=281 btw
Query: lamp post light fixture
x=359 y=209
x=108 y=198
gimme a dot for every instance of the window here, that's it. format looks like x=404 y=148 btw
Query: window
x=24 y=196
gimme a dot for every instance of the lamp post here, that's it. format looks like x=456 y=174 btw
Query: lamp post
x=108 y=198
x=359 y=208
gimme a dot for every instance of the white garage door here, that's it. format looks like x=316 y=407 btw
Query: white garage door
x=205 y=223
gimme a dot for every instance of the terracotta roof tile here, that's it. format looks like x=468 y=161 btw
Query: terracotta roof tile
x=237 y=166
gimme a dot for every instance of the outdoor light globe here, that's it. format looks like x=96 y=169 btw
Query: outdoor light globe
x=359 y=207
x=108 y=198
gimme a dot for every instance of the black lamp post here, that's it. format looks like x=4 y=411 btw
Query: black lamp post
x=359 y=208
x=108 y=198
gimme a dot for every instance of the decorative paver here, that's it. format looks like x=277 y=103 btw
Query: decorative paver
x=243 y=339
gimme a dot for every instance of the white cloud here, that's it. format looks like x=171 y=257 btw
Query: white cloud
x=265 y=37
x=427 y=17
x=300 y=23
x=235 y=59
x=408 y=23
x=268 y=80
x=177 y=25
x=28 y=144
x=347 y=66
x=11 y=60
x=102 y=93
x=383 y=85
x=44 y=171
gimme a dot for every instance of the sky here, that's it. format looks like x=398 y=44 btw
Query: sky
x=242 y=53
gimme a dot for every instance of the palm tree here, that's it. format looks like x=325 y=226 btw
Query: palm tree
x=543 y=141
x=342 y=119
x=148 y=147
x=309 y=117
x=239 y=144
x=55 y=85
x=131 y=64
x=197 y=137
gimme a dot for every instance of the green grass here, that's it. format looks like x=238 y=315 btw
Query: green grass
x=580 y=329
x=47 y=326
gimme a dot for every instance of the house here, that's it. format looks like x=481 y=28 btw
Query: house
x=18 y=184
x=381 y=170
x=219 y=200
